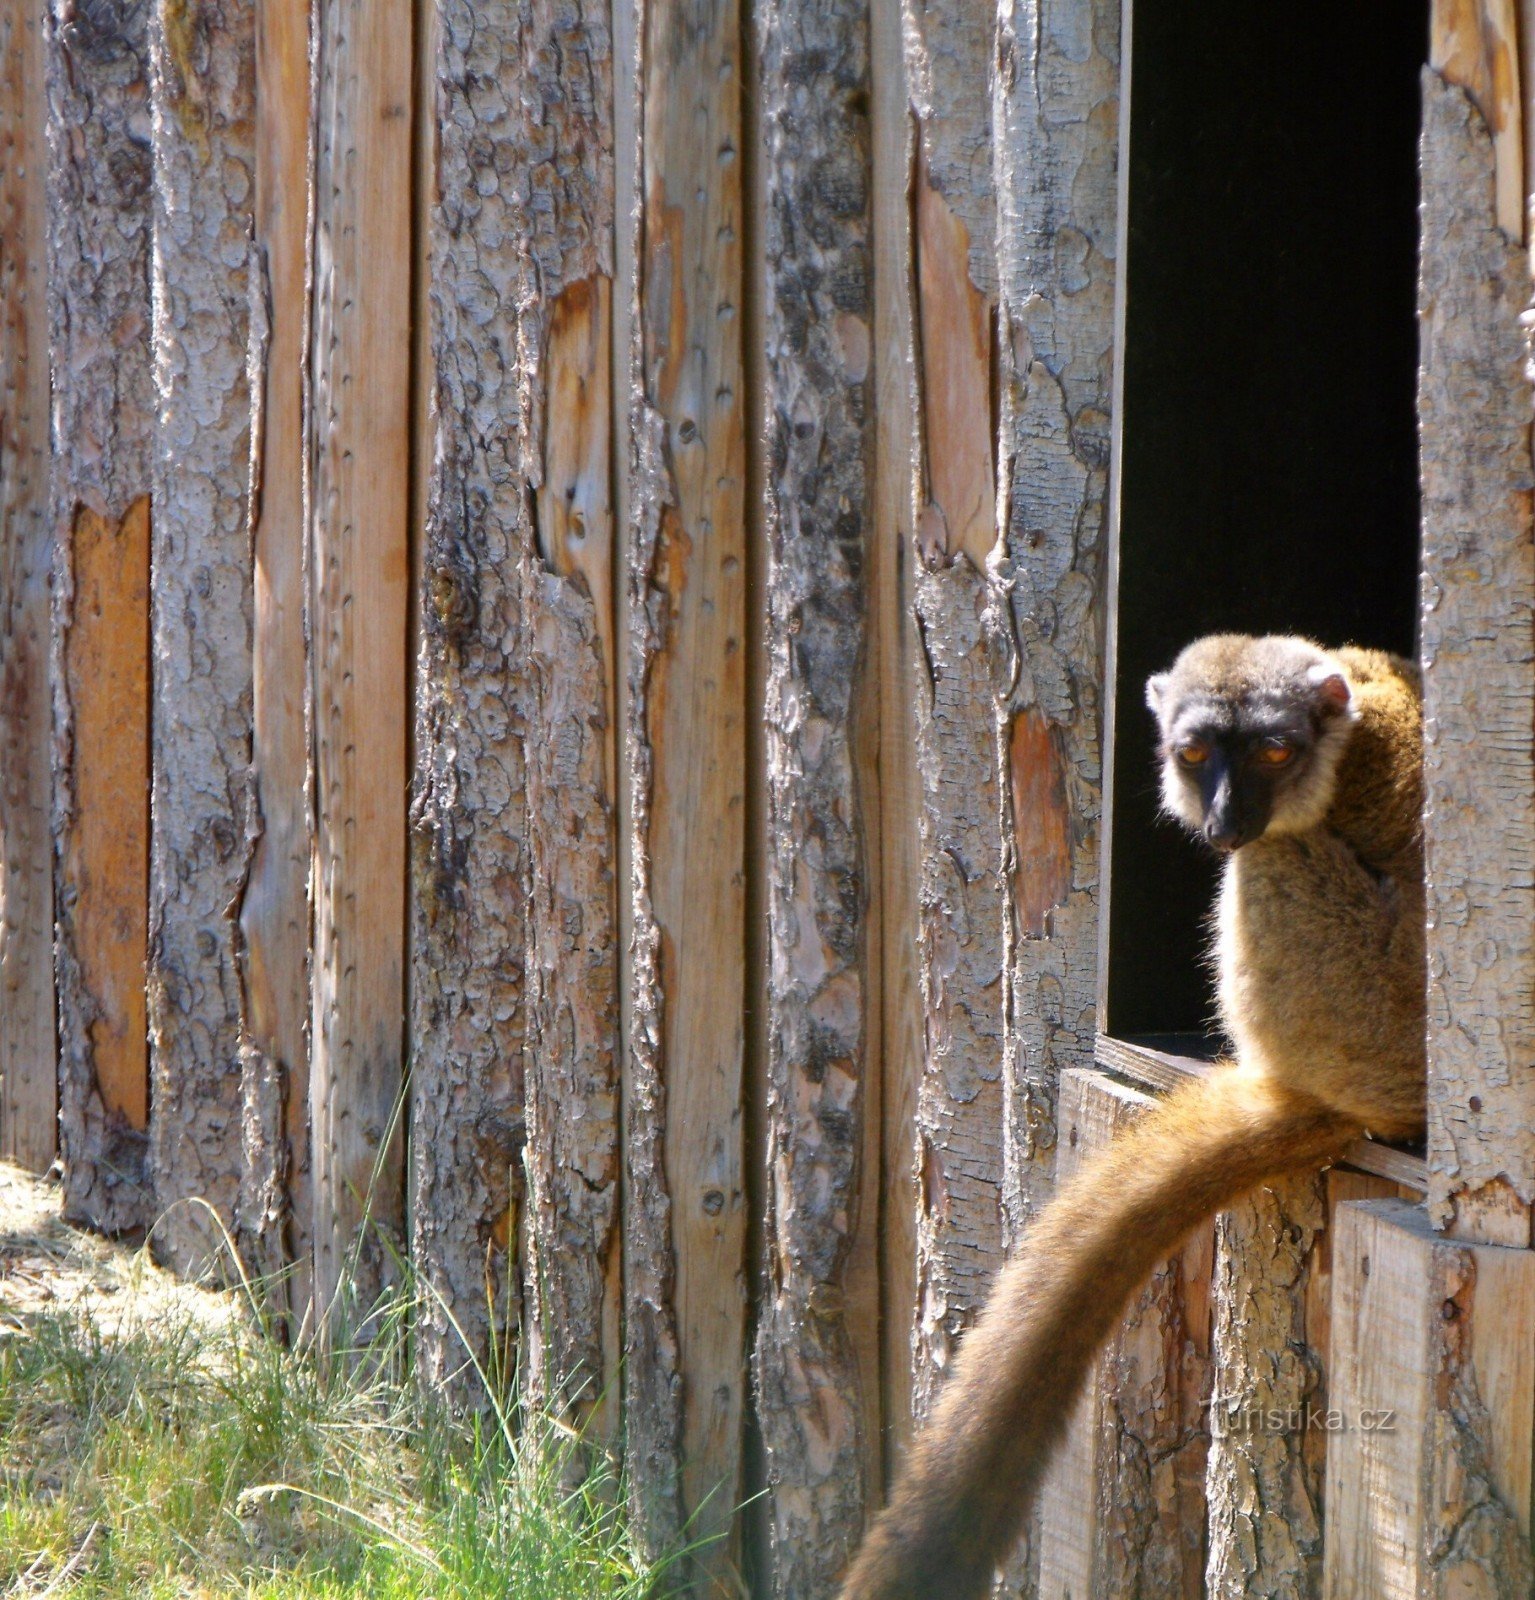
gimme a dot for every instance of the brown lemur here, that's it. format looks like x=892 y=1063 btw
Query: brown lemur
x=1302 y=766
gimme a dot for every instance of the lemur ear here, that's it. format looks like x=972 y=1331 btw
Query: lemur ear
x=1156 y=691
x=1332 y=690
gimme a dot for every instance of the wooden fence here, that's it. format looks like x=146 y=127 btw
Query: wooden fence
x=558 y=598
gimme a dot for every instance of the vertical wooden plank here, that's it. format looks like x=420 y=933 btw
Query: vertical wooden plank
x=1122 y=1511
x=1056 y=149
x=277 y=1203
x=28 y=1049
x=1478 y=647
x=685 y=1209
x=960 y=919
x=894 y=655
x=359 y=441
x=1429 y=1468
x=513 y=817
x=816 y=1369
x=103 y=411
x=202 y=87
x=1056 y=114
x=1271 y=1293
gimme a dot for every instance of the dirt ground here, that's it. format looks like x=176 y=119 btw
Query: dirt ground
x=46 y=1265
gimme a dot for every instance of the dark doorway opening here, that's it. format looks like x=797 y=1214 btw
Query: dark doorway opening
x=1268 y=456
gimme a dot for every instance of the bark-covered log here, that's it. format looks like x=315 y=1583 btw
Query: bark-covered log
x=1264 y=1484
x=28 y=1049
x=684 y=768
x=961 y=916
x=513 y=868
x=1478 y=648
x=359 y=450
x=276 y=1201
x=812 y=1359
x=99 y=184
x=203 y=85
x=1122 y=1510
x=1057 y=116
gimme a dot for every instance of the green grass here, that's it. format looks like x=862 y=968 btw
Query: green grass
x=175 y=1459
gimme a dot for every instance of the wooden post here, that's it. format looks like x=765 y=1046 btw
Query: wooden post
x=515 y=982
x=1122 y=1511
x=959 y=1109
x=359 y=449
x=1055 y=147
x=277 y=1202
x=684 y=775
x=1478 y=645
x=816 y=1363
x=893 y=655
x=103 y=413
x=1433 y=1388
x=1271 y=1293
x=28 y=1049
x=203 y=88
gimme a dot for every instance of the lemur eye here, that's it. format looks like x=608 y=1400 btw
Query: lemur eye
x=1193 y=753
x=1276 y=753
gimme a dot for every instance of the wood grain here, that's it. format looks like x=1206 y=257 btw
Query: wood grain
x=1478 y=651
x=685 y=757
x=359 y=444
x=894 y=653
x=277 y=1202
x=1434 y=1500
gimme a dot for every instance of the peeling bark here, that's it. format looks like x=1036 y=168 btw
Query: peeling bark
x=103 y=414
x=960 y=912
x=1264 y=1485
x=1478 y=649
x=1057 y=115
x=959 y=1099
x=815 y=82
x=203 y=86
x=28 y=1048
x=514 y=968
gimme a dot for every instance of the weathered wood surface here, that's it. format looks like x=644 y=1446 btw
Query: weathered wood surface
x=28 y=1050
x=1057 y=135
x=358 y=438
x=202 y=90
x=276 y=1201
x=815 y=1387
x=959 y=1095
x=1433 y=1499
x=1122 y=1510
x=893 y=664
x=515 y=984
x=684 y=759
x=1264 y=1483
x=103 y=413
x=1478 y=649
x=1476 y=44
